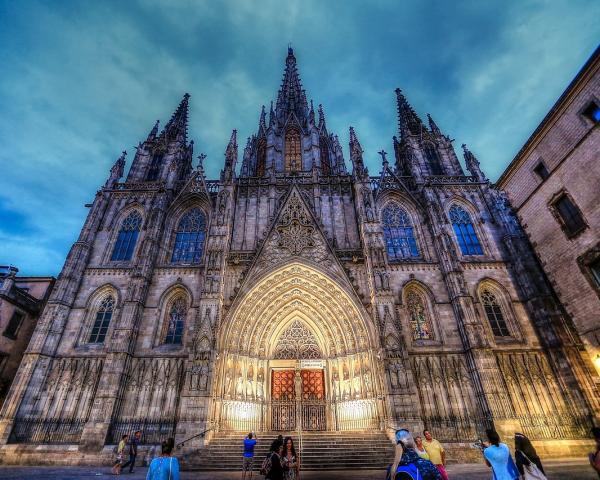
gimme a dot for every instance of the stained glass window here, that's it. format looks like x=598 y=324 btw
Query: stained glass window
x=261 y=158
x=102 y=320
x=176 y=322
x=293 y=151
x=464 y=231
x=419 y=321
x=398 y=232
x=125 y=244
x=154 y=168
x=325 y=165
x=433 y=159
x=494 y=314
x=189 y=238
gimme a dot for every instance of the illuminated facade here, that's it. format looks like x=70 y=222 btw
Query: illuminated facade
x=295 y=295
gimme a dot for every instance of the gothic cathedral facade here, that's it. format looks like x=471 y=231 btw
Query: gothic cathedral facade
x=293 y=294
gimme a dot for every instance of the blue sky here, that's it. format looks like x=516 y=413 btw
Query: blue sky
x=81 y=81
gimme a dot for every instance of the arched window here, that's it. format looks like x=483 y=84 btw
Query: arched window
x=154 y=168
x=293 y=150
x=261 y=158
x=464 y=231
x=325 y=165
x=494 y=314
x=102 y=320
x=433 y=159
x=174 y=330
x=398 y=232
x=189 y=239
x=128 y=234
x=420 y=326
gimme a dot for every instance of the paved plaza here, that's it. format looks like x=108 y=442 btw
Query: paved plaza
x=566 y=469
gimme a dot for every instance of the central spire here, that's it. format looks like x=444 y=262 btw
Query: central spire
x=291 y=97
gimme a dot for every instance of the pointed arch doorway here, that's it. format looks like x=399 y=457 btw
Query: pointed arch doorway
x=297 y=350
x=298 y=397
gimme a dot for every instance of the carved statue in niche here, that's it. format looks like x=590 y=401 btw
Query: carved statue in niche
x=336 y=384
x=203 y=383
x=385 y=280
x=357 y=390
x=367 y=382
x=223 y=197
x=346 y=393
x=393 y=372
x=298 y=384
x=260 y=382
x=250 y=383
x=239 y=384
x=228 y=383
x=368 y=208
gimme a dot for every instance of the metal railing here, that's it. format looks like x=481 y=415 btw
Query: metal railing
x=199 y=435
x=456 y=428
x=564 y=426
x=47 y=430
x=154 y=431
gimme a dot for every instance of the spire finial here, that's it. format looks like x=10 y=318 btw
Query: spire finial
x=356 y=152
x=321 y=116
x=472 y=164
x=383 y=154
x=433 y=126
x=176 y=128
x=291 y=96
x=263 y=119
x=154 y=131
x=408 y=121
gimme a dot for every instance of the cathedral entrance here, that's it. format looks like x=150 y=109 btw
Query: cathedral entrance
x=297 y=352
x=298 y=400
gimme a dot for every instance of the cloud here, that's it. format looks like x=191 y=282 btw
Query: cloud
x=83 y=81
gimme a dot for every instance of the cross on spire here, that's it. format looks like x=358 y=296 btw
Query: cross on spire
x=383 y=154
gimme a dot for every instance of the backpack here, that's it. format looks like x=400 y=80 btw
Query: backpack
x=267 y=464
x=408 y=472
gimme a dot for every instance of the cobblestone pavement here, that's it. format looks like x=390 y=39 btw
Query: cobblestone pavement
x=571 y=469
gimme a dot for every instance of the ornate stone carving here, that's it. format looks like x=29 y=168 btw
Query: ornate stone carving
x=297 y=341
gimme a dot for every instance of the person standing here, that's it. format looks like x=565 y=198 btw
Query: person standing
x=525 y=454
x=276 y=471
x=290 y=460
x=497 y=456
x=436 y=453
x=407 y=460
x=165 y=467
x=420 y=449
x=133 y=451
x=248 y=460
x=595 y=457
x=116 y=469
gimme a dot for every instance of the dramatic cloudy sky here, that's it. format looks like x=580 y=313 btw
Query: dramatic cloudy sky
x=80 y=81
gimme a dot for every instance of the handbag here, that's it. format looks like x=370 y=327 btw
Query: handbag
x=531 y=471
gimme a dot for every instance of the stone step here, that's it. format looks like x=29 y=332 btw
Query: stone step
x=320 y=451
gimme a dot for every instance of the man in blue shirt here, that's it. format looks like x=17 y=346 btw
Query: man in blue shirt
x=249 y=444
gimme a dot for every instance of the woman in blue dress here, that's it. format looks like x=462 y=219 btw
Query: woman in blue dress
x=498 y=457
x=164 y=467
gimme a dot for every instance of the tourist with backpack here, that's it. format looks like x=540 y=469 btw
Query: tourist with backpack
x=272 y=467
x=408 y=465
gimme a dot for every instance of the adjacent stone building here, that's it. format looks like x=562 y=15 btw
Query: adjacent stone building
x=21 y=302
x=554 y=186
x=292 y=294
